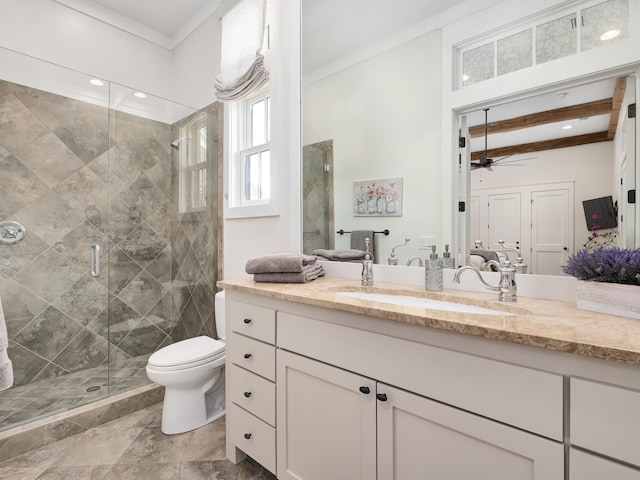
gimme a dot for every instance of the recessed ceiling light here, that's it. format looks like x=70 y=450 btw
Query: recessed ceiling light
x=140 y=95
x=562 y=95
x=97 y=82
x=610 y=34
x=465 y=78
x=567 y=127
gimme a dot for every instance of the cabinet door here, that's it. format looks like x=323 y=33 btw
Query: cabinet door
x=420 y=438
x=325 y=420
x=585 y=466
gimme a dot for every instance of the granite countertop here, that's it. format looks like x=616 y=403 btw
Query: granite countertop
x=547 y=324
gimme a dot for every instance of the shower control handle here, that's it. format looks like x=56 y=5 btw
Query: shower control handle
x=95 y=260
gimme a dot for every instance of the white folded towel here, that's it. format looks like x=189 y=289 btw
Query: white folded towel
x=6 y=367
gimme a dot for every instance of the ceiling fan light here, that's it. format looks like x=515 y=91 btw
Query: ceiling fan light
x=610 y=34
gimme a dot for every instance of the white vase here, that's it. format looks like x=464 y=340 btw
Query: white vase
x=610 y=298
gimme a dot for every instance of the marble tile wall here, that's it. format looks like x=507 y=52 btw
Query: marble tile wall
x=76 y=174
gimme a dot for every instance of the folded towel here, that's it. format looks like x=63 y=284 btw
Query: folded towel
x=279 y=262
x=340 y=255
x=358 y=243
x=308 y=273
x=6 y=367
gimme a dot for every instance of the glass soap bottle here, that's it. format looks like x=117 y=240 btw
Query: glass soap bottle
x=433 y=271
x=447 y=259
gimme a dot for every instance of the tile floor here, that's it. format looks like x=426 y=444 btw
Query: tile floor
x=134 y=448
x=22 y=404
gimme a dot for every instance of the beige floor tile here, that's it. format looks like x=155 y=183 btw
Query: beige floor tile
x=207 y=443
x=76 y=473
x=158 y=471
x=152 y=446
x=99 y=446
x=20 y=473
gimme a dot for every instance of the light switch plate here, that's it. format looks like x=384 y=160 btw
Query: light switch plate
x=425 y=242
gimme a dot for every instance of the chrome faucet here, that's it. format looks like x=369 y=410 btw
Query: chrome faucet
x=392 y=258
x=507 y=287
x=520 y=266
x=415 y=258
x=367 y=267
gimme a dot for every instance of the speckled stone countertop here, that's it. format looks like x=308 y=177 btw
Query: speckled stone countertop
x=540 y=323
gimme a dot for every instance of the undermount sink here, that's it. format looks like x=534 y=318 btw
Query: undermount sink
x=409 y=301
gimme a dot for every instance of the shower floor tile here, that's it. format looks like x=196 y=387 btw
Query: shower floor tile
x=36 y=400
x=133 y=447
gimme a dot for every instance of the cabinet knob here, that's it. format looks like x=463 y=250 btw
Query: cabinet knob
x=365 y=390
x=247 y=436
x=382 y=397
x=247 y=321
x=247 y=394
x=247 y=355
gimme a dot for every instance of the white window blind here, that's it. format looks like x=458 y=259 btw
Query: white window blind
x=242 y=65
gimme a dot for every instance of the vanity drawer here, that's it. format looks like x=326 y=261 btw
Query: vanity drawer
x=254 y=437
x=253 y=393
x=606 y=419
x=252 y=321
x=252 y=355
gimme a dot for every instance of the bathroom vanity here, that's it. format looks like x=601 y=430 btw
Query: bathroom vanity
x=322 y=385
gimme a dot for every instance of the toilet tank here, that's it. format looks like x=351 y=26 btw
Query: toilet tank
x=219 y=313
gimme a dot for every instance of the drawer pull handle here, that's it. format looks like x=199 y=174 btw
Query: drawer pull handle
x=247 y=321
x=382 y=397
x=247 y=436
x=247 y=394
x=247 y=355
x=365 y=390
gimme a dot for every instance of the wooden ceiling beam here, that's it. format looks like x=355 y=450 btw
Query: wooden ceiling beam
x=618 y=96
x=496 y=153
x=599 y=107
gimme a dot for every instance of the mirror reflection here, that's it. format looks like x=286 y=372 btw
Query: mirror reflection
x=374 y=96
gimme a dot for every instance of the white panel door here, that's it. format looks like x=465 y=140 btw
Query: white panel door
x=590 y=467
x=504 y=219
x=551 y=230
x=422 y=439
x=326 y=421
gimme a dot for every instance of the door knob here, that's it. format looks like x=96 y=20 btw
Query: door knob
x=382 y=397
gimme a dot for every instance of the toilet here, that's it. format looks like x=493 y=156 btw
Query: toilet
x=192 y=372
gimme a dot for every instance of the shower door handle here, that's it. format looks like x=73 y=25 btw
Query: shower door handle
x=95 y=260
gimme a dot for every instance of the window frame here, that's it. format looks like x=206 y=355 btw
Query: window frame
x=238 y=131
x=187 y=142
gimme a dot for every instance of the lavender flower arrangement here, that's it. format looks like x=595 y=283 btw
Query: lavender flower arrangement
x=612 y=265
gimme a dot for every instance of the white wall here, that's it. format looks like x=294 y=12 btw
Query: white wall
x=196 y=63
x=248 y=237
x=57 y=34
x=589 y=167
x=383 y=116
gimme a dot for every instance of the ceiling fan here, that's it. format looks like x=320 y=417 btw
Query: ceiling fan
x=483 y=158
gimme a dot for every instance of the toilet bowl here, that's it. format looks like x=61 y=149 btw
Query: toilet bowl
x=192 y=372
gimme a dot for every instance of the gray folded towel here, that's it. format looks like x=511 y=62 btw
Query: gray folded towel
x=279 y=263
x=485 y=254
x=308 y=273
x=6 y=367
x=340 y=255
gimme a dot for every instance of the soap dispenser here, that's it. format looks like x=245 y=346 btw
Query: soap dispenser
x=433 y=271
x=447 y=259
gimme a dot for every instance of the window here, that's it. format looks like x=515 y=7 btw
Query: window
x=251 y=166
x=192 y=150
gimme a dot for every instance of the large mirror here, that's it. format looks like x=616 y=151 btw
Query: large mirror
x=372 y=114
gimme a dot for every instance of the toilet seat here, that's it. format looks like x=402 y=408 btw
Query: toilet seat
x=187 y=353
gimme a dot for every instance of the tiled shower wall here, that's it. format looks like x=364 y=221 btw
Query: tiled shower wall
x=74 y=176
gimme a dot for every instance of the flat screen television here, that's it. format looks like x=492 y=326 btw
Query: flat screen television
x=600 y=213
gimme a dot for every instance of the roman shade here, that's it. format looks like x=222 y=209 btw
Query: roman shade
x=242 y=64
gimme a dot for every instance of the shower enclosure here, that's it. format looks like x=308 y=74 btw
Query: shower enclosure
x=120 y=254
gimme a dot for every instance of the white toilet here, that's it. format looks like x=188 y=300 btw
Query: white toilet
x=192 y=372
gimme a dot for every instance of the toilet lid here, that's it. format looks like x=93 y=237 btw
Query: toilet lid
x=188 y=351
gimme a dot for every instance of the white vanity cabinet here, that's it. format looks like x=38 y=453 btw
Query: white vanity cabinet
x=336 y=424
x=605 y=420
x=250 y=383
